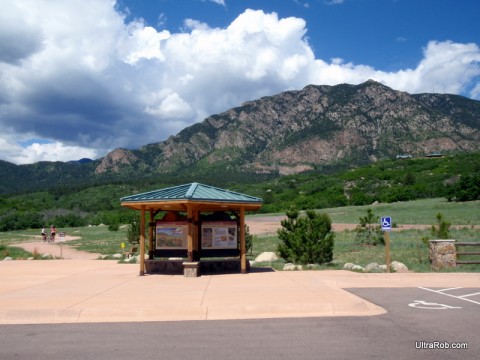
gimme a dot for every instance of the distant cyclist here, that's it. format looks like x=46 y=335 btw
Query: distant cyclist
x=53 y=231
x=44 y=234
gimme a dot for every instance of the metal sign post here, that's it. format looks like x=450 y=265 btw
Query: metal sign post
x=386 y=223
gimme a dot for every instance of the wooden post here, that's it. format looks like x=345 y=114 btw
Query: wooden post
x=190 y=233
x=150 y=234
x=196 y=238
x=387 y=249
x=243 y=255
x=142 y=241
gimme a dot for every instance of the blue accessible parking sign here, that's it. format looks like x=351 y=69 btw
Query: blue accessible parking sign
x=386 y=223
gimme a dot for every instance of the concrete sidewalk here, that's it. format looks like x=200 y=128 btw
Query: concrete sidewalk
x=69 y=291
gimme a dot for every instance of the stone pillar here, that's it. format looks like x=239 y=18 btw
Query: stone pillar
x=443 y=254
x=191 y=268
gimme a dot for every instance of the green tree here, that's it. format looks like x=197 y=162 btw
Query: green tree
x=306 y=239
x=442 y=229
x=369 y=231
x=113 y=226
x=133 y=233
x=248 y=239
x=409 y=179
x=67 y=220
x=466 y=189
x=439 y=231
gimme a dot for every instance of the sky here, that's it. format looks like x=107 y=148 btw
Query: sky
x=80 y=78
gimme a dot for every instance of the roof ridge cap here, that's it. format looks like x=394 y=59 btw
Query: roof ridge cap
x=191 y=190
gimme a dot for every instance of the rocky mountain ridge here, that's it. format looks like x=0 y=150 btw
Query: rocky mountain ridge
x=299 y=130
x=291 y=132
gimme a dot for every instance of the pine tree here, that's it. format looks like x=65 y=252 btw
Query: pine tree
x=306 y=239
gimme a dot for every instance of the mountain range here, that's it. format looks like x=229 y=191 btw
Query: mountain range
x=287 y=133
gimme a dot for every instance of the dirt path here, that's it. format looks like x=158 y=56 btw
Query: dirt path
x=57 y=249
x=264 y=225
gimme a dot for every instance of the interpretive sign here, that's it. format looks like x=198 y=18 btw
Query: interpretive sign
x=171 y=235
x=219 y=235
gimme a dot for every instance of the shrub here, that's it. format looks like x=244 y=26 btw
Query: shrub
x=369 y=231
x=306 y=239
x=248 y=239
x=113 y=226
x=67 y=220
x=467 y=189
x=133 y=233
x=442 y=230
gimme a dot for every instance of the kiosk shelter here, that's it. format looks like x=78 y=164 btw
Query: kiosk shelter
x=197 y=223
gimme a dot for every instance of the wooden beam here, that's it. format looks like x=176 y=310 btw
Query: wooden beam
x=179 y=205
x=243 y=252
x=150 y=234
x=142 y=241
x=190 y=232
x=196 y=223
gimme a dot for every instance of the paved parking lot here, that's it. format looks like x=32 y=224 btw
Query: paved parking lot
x=445 y=329
x=85 y=309
x=75 y=291
x=470 y=295
x=436 y=322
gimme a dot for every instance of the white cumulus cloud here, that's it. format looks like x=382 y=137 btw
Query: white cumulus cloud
x=78 y=75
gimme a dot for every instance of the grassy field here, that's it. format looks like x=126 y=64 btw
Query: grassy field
x=411 y=212
x=414 y=212
x=406 y=245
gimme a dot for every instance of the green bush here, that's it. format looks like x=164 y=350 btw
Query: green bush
x=133 y=233
x=248 y=239
x=466 y=189
x=306 y=239
x=67 y=220
x=369 y=231
x=113 y=226
x=439 y=231
x=442 y=230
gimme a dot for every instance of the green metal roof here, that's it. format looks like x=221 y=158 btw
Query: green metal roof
x=193 y=191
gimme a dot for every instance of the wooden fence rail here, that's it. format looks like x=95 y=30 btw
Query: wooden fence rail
x=467 y=253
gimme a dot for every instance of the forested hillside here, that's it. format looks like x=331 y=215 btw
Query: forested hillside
x=456 y=177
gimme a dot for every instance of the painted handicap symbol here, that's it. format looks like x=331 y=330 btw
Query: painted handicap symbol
x=386 y=223
x=420 y=304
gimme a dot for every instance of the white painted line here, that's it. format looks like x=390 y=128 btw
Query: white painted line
x=456 y=297
x=449 y=289
x=462 y=296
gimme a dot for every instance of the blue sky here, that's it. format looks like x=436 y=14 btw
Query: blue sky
x=83 y=77
x=386 y=34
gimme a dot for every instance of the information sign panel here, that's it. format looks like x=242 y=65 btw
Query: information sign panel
x=219 y=235
x=171 y=235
